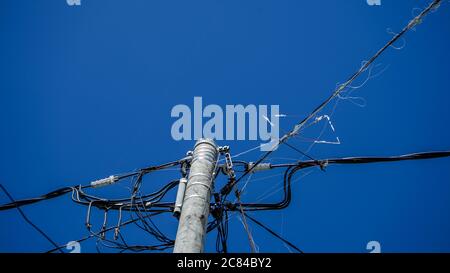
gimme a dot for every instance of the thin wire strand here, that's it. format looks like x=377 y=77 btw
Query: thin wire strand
x=28 y=220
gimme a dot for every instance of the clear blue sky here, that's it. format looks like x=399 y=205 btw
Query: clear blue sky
x=86 y=92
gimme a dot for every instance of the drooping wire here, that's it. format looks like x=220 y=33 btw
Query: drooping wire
x=244 y=221
x=28 y=220
x=98 y=233
x=274 y=233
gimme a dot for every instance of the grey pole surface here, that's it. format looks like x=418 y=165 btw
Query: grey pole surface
x=195 y=209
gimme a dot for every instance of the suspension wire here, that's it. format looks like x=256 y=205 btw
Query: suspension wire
x=434 y=5
x=28 y=220
x=274 y=234
x=244 y=221
x=65 y=190
x=367 y=159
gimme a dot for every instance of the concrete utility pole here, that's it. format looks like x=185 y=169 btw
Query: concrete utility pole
x=195 y=209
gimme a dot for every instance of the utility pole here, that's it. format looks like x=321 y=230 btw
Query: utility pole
x=195 y=207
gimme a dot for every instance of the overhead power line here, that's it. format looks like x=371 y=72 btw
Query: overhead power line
x=194 y=198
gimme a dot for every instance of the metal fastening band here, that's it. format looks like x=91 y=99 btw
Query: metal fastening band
x=194 y=195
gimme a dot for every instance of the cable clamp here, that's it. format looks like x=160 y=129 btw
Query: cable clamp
x=323 y=164
x=105 y=181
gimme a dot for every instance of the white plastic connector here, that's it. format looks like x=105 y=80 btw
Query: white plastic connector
x=180 y=197
x=259 y=167
x=105 y=181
